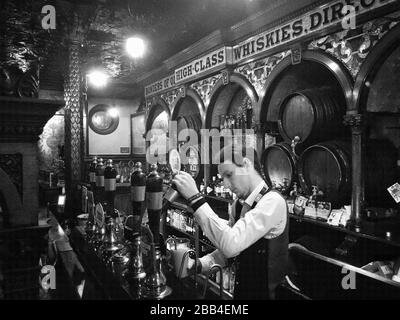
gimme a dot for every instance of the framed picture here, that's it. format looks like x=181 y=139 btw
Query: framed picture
x=138 y=128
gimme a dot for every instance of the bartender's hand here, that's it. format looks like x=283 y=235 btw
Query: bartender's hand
x=185 y=184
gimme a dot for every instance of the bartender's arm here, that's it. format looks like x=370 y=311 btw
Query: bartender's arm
x=267 y=219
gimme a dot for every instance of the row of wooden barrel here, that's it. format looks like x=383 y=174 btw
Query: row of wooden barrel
x=328 y=166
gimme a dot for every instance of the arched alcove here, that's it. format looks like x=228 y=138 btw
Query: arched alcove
x=227 y=98
x=316 y=69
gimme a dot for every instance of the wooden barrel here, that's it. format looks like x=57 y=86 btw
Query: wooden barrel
x=327 y=165
x=279 y=166
x=312 y=115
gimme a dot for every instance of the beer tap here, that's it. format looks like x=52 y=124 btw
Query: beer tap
x=293 y=145
x=155 y=283
x=138 y=192
x=215 y=268
x=111 y=239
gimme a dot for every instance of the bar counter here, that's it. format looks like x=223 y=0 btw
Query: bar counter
x=110 y=284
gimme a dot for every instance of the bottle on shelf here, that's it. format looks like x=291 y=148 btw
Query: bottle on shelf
x=213 y=186
x=249 y=115
x=99 y=194
x=222 y=122
x=110 y=187
x=202 y=186
x=92 y=173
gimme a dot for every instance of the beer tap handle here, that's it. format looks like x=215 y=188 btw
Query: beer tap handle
x=215 y=268
x=295 y=141
x=191 y=253
x=148 y=232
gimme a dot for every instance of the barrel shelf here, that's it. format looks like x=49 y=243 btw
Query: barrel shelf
x=392 y=242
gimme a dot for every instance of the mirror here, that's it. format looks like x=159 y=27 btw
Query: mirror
x=103 y=119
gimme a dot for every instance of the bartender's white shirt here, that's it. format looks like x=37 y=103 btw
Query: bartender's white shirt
x=267 y=220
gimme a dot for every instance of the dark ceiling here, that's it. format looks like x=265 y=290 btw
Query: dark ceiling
x=168 y=26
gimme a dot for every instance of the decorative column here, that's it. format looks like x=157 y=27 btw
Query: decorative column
x=356 y=122
x=74 y=103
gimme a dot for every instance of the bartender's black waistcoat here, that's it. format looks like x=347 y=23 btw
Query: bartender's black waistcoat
x=262 y=266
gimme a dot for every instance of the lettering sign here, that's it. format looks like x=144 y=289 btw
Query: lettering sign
x=159 y=86
x=202 y=65
x=337 y=12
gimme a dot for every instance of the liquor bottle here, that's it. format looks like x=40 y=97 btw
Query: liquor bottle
x=222 y=122
x=110 y=187
x=202 y=186
x=218 y=186
x=249 y=115
x=138 y=190
x=99 y=194
x=154 y=199
x=211 y=187
x=92 y=174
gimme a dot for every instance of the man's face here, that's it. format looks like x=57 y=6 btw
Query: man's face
x=235 y=178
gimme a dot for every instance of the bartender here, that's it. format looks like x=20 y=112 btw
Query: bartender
x=257 y=231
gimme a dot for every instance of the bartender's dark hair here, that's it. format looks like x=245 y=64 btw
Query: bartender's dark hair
x=236 y=154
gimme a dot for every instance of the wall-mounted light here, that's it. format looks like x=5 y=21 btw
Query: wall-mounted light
x=97 y=78
x=135 y=47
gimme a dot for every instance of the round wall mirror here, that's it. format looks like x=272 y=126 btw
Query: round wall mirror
x=103 y=119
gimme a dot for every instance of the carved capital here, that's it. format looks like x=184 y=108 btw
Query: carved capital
x=225 y=77
x=354 y=120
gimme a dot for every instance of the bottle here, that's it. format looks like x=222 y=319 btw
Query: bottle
x=218 y=186
x=138 y=190
x=222 y=122
x=154 y=199
x=202 y=186
x=99 y=197
x=249 y=114
x=212 y=186
x=110 y=187
x=92 y=173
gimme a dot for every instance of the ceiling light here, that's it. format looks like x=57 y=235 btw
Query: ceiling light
x=135 y=47
x=98 y=78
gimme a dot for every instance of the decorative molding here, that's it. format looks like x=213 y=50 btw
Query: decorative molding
x=352 y=48
x=258 y=71
x=170 y=96
x=204 y=87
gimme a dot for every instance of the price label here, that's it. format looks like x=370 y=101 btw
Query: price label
x=323 y=210
x=394 y=191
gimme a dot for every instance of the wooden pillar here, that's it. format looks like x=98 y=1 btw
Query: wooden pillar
x=356 y=122
x=74 y=104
